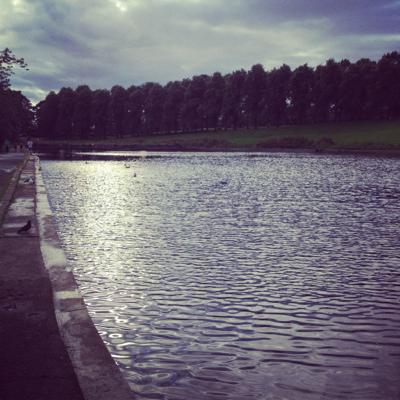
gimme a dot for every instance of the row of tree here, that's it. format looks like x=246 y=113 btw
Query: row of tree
x=336 y=91
x=16 y=112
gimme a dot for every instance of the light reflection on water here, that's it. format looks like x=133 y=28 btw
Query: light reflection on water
x=225 y=276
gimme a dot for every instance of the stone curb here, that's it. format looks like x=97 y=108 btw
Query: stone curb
x=98 y=375
x=9 y=194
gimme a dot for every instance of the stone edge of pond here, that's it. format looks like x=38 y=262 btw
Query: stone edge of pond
x=98 y=375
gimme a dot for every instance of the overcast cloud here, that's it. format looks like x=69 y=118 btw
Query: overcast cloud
x=106 y=42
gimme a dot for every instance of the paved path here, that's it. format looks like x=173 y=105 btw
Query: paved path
x=8 y=165
x=34 y=362
x=9 y=161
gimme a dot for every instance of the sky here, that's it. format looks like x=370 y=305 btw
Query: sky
x=107 y=42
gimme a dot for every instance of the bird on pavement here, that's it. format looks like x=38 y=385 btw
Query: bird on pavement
x=25 y=228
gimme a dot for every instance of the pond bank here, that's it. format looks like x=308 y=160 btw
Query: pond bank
x=381 y=138
x=69 y=151
x=51 y=349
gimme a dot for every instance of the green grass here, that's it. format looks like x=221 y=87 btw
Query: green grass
x=355 y=135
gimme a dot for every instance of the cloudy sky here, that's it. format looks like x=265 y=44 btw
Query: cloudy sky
x=106 y=42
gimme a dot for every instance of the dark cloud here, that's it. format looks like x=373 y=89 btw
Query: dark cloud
x=380 y=16
x=107 y=42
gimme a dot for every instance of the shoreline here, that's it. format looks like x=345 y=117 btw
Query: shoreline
x=74 y=149
x=378 y=138
x=97 y=373
x=51 y=346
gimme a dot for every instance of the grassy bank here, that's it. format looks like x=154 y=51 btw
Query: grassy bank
x=356 y=136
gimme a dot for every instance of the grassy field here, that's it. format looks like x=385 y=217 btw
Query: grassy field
x=338 y=136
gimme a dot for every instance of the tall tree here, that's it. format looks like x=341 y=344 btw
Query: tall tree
x=388 y=85
x=325 y=92
x=66 y=107
x=301 y=85
x=47 y=114
x=277 y=96
x=99 y=112
x=117 y=110
x=7 y=63
x=81 y=118
x=355 y=101
x=213 y=98
x=134 y=111
x=192 y=111
x=173 y=102
x=233 y=107
x=255 y=92
x=16 y=115
x=153 y=109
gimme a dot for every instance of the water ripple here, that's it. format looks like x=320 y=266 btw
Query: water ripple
x=229 y=276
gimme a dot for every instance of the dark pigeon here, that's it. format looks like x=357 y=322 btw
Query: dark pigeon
x=25 y=228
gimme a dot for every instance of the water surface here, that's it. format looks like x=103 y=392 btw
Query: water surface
x=239 y=276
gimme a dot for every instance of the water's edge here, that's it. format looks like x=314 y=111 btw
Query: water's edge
x=97 y=373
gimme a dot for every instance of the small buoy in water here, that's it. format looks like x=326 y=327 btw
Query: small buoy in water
x=127 y=165
x=134 y=175
x=86 y=162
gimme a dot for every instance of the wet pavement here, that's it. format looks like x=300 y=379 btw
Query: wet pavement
x=9 y=161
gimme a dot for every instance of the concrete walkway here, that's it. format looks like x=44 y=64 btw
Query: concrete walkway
x=8 y=165
x=34 y=361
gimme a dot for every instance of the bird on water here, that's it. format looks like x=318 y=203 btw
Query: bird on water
x=25 y=228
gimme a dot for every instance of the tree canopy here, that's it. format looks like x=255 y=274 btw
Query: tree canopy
x=16 y=113
x=334 y=91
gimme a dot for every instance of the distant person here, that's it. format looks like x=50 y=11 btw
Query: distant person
x=7 y=144
x=29 y=144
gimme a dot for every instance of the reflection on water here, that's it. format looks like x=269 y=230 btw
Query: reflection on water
x=223 y=276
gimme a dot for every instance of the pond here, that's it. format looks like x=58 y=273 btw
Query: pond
x=239 y=275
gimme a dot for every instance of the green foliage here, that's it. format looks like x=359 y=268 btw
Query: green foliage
x=7 y=63
x=66 y=107
x=254 y=94
x=213 y=98
x=172 y=105
x=277 y=94
x=334 y=92
x=301 y=86
x=81 y=118
x=117 y=110
x=47 y=113
x=153 y=108
x=99 y=107
x=16 y=113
